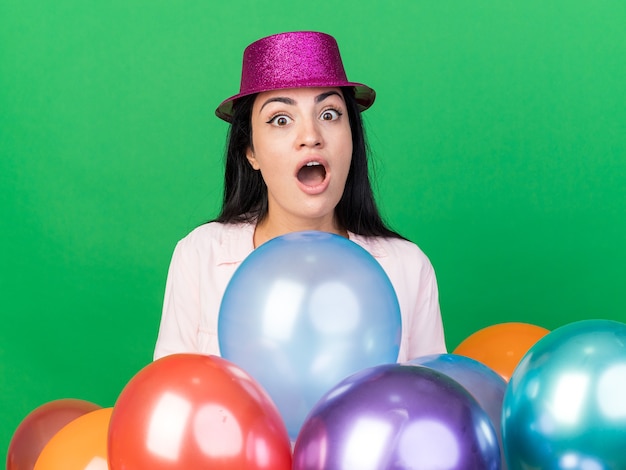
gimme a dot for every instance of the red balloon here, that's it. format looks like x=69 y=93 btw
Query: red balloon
x=39 y=426
x=194 y=411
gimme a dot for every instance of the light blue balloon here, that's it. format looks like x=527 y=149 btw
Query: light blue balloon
x=565 y=405
x=304 y=311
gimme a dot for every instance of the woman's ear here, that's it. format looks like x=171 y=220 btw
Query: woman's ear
x=251 y=159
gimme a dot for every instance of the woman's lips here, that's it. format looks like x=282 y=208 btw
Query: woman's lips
x=313 y=176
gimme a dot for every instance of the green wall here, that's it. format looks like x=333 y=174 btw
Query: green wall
x=499 y=140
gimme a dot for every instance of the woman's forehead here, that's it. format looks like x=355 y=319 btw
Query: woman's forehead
x=299 y=94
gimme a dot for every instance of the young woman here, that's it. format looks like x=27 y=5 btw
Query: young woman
x=296 y=160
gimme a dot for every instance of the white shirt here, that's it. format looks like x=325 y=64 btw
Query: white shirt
x=205 y=260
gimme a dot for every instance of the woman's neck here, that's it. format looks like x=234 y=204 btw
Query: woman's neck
x=267 y=229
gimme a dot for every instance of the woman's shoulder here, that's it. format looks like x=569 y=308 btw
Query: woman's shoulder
x=389 y=246
x=218 y=231
x=217 y=236
x=396 y=254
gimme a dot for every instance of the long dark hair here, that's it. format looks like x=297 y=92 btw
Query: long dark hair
x=245 y=192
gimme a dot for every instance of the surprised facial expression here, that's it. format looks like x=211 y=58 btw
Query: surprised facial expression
x=302 y=145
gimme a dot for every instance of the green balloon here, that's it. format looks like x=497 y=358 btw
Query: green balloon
x=565 y=405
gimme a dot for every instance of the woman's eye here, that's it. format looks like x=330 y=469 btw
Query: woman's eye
x=330 y=115
x=280 y=120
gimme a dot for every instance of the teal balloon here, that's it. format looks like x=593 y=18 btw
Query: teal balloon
x=302 y=312
x=565 y=405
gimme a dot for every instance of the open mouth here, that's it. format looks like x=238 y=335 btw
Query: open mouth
x=312 y=174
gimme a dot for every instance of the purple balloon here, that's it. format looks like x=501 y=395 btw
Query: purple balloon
x=486 y=385
x=397 y=416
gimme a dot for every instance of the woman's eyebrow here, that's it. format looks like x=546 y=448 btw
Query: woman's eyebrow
x=282 y=99
x=323 y=96
x=279 y=99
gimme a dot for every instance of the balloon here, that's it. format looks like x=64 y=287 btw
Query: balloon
x=79 y=445
x=565 y=406
x=34 y=432
x=501 y=346
x=484 y=384
x=302 y=312
x=194 y=411
x=397 y=416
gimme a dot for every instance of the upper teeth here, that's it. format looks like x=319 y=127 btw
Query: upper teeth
x=312 y=164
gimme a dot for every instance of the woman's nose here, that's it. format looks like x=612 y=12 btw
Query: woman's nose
x=309 y=135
